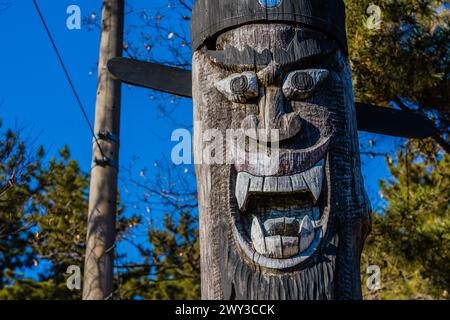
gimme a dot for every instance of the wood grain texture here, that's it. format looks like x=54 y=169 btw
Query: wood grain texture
x=332 y=270
x=99 y=260
x=210 y=18
x=375 y=119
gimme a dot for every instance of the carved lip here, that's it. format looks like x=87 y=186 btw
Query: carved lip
x=281 y=238
x=287 y=162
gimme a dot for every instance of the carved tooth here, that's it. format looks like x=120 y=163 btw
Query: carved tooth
x=274 y=246
x=256 y=184
x=274 y=226
x=290 y=246
x=307 y=234
x=282 y=226
x=257 y=236
x=298 y=184
x=242 y=186
x=270 y=184
x=314 y=179
x=284 y=184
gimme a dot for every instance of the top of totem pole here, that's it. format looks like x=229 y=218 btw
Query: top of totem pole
x=210 y=18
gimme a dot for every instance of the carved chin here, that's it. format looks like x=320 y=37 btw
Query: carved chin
x=281 y=220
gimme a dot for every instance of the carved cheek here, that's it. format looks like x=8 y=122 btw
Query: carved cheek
x=319 y=110
x=316 y=112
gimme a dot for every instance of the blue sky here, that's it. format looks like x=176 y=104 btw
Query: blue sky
x=34 y=92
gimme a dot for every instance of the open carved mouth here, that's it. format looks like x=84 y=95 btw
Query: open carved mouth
x=281 y=219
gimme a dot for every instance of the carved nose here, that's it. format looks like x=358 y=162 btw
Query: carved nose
x=272 y=116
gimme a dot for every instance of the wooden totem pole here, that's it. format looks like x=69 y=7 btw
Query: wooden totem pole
x=292 y=227
x=282 y=206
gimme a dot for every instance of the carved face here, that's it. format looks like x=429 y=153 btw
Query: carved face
x=285 y=222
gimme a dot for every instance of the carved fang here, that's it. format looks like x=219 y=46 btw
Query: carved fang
x=242 y=188
x=257 y=236
x=298 y=183
x=307 y=234
x=314 y=180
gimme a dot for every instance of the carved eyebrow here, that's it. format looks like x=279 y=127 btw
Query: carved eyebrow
x=298 y=54
x=324 y=61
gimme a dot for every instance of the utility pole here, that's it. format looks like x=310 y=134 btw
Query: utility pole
x=99 y=261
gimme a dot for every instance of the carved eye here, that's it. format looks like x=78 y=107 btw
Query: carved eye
x=239 y=88
x=300 y=85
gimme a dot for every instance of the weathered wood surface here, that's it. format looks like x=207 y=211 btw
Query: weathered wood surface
x=99 y=260
x=151 y=75
x=370 y=118
x=213 y=17
x=238 y=208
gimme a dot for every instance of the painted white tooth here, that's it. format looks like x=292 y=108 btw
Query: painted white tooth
x=298 y=184
x=256 y=184
x=306 y=225
x=257 y=236
x=274 y=247
x=270 y=184
x=242 y=186
x=284 y=184
x=274 y=226
x=307 y=234
x=314 y=179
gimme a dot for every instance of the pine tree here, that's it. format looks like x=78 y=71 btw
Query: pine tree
x=409 y=241
x=17 y=170
x=405 y=59
x=43 y=222
x=171 y=266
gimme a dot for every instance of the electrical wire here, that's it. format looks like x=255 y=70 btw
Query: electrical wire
x=69 y=79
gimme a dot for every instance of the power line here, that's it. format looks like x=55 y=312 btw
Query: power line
x=69 y=79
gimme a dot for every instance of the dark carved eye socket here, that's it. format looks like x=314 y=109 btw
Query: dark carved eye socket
x=239 y=85
x=300 y=85
x=239 y=88
x=302 y=81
